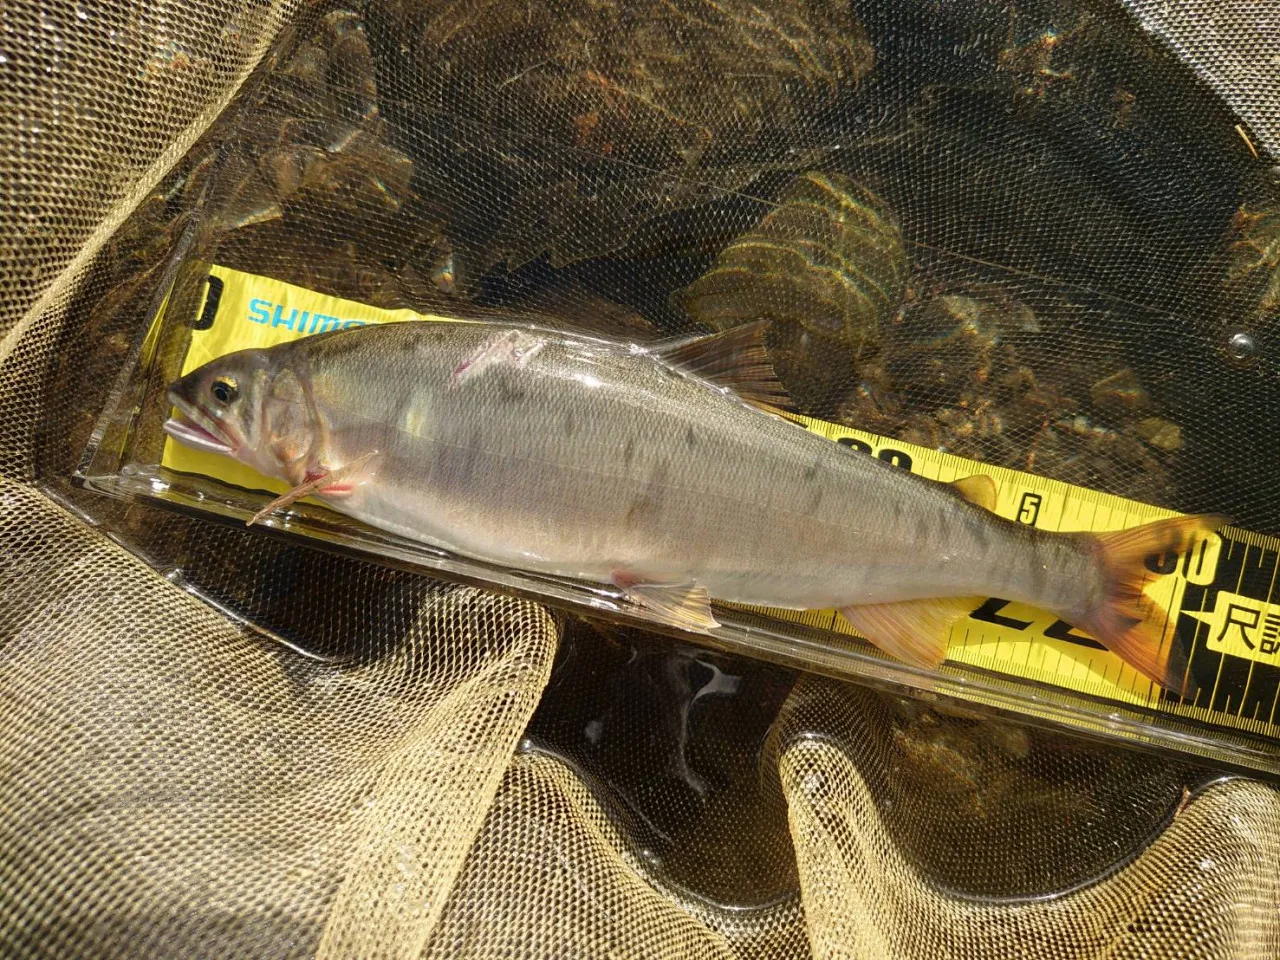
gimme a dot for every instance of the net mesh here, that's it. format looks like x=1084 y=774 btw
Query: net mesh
x=1041 y=235
x=1159 y=904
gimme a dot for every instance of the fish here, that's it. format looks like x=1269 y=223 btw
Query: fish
x=675 y=471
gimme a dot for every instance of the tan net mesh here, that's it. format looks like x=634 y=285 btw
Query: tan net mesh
x=184 y=791
x=1203 y=889
x=551 y=875
x=101 y=102
x=1203 y=886
x=430 y=770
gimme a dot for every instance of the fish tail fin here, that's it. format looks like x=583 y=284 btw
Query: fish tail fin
x=1126 y=621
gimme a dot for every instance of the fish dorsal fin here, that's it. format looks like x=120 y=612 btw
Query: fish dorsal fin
x=978 y=489
x=912 y=630
x=736 y=359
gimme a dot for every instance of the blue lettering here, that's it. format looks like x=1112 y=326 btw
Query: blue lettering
x=280 y=321
x=264 y=311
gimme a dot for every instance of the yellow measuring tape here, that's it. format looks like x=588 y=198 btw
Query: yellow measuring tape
x=1221 y=591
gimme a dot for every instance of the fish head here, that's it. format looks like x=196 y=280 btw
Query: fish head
x=249 y=406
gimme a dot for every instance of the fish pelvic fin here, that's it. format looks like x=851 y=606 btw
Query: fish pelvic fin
x=912 y=630
x=1128 y=622
x=736 y=359
x=684 y=605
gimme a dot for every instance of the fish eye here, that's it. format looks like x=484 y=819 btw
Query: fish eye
x=224 y=390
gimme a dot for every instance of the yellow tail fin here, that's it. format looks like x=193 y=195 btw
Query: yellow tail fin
x=1128 y=622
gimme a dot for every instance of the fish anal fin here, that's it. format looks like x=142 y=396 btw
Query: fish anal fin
x=912 y=630
x=736 y=359
x=685 y=605
x=979 y=489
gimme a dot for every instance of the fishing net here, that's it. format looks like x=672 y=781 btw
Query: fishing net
x=1042 y=235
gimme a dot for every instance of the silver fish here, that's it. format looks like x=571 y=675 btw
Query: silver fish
x=668 y=471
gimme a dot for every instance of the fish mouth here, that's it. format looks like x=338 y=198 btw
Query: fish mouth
x=193 y=428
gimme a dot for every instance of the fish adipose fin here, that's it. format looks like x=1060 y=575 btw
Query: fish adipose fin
x=1129 y=623
x=685 y=605
x=912 y=630
x=736 y=359
x=978 y=489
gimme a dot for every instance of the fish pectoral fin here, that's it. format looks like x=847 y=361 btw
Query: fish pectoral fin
x=297 y=493
x=336 y=482
x=736 y=359
x=912 y=630
x=979 y=489
x=685 y=605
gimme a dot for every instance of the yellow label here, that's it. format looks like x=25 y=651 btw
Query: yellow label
x=1243 y=627
x=254 y=311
